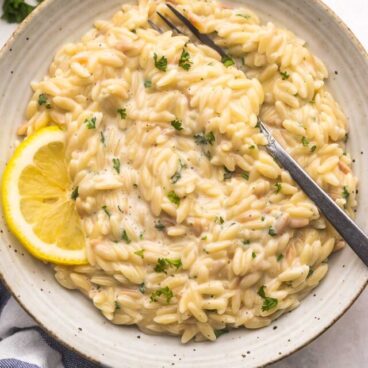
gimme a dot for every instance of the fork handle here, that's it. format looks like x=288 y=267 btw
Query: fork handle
x=343 y=224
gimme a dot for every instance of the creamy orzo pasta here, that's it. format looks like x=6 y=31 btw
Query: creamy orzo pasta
x=191 y=227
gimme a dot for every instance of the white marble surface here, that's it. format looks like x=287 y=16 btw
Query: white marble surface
x=344 y=345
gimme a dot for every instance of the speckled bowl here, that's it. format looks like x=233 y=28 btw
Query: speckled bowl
x=68 y=315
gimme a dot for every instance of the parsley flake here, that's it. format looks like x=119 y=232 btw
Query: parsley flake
x=268 y=302
x=105 y=209
x=173 y=198
x=279 y=257
x=227 y=61
x=202 y=139
x=160 y=63
x=221 y=332
x=246 y=16
x=159 y=226
x=272 y=232
x=228 y=174
x=125 y=237
x=284 y=75
x=184 y=60
x=147 y=84
x=254 y=255
x=75 y=193
x=116 y=165
x=305 y=141
x=345 y=193
x=140 y=253
x=102 y=138
x=164 y=263
x=245 y=175
x=117 y=305
x=91 y=122
x=313 y=148
x=177 y=124
x=278 y=187
x=165 y=292
x=122 y=112
x=142 y=287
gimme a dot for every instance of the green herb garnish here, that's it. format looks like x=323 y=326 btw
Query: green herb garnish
x=277 y=187
x=219 y=220
x=313 y=148
x=165 y=292
x=202 y=139
x=173 y=198
x=102 y=138
x=125 y=237
x=284 y=75
x=272 y=232
x=268 y=302
x=75 y=193
x=177 y=124
x=246 y=16
x=105 y=209
x=147 y=84
x=227 y=61
x=140 y=253
x=245 y=175
x=116 y=165
x=160 y=63
x=142 y=287
x=305 y=141
x=184 y=60
x=164 y=263
x=117 y=305
x=159 y=226
x=223 y=331
x=254 y=255
x=228 y=174
x=279 y=257
x=345 y=193
x=91 y=123
x=122 y=112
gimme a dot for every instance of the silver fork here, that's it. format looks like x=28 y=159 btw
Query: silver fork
x=343 y=224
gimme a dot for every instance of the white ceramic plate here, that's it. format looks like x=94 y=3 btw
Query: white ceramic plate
x=68 y=315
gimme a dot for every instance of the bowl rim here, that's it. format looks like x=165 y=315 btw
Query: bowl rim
x=363 y=52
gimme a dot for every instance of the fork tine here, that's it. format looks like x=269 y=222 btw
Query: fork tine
x=154 y=26
x=169 y=23
x=201 y=36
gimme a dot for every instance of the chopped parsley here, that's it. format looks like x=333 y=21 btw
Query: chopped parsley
x=202 y=139
x=173 y=198
x=277 y=187
x=228 y=174
x=227 y=61
x=177 y=124
x=166 y=292
x=184 y=60
x=245 y=175
x=43 y=100
x=123 y=113
x=310 y=272
x=140 y=253
x=15 y=11
x=105 y=209
x=176 y=177
x=91 y=122
x=116 y=165
x=164 y=263
x=117 y=305
x=102 y=138
x=159 y=226
x=279 y=257
x=160 y=63
x=305 y=141
x=219 y=220
x=221 y=332
x=125 y=237
x=147 y=84
x=142 y=287
x=75 y=193
x=271 y=231
x=313 y=148
x=284 y=75
x=246 y=242
x=246 y=16
x=254 y=255
x=345 y=193
x=268 y=302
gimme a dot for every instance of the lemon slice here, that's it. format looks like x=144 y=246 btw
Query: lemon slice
x=37 y=200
